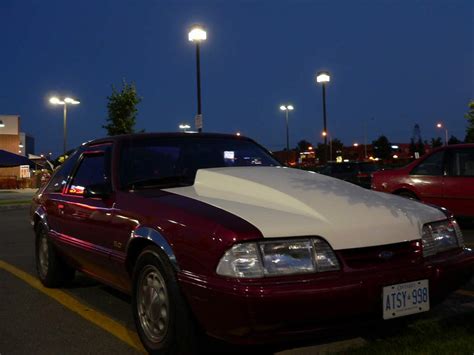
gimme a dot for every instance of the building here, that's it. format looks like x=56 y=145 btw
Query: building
x=14 y=141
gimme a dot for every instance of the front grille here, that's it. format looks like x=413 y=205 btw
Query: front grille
x=372 y=256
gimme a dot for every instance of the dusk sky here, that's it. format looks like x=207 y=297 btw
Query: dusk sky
x=393 y=64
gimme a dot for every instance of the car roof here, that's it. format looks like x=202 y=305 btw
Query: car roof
x=187 y=135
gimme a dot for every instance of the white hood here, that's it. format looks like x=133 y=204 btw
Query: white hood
x=284 y=202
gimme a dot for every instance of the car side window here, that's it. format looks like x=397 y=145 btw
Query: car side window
x=461 y=162
x=59 y=179
x=432 y=166
x=91 y=171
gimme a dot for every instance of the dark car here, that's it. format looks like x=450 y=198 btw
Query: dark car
x=445 y=178
x=359 y=173
x=210 y=232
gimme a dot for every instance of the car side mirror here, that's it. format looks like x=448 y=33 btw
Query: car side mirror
x=97 y=191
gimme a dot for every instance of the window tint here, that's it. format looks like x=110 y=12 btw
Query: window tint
x=462 y=162
x=91 y=171
x=432 y=165
x=174 y=160
x=59 y=179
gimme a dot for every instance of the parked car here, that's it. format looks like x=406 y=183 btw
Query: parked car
x=210 y=232
x=359 y=173
x=445 y=177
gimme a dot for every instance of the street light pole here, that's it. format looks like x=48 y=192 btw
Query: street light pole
x=197 y=34
x=440 y=125
x=287 y=108
x=323 y=78
x=64 y=102
x=64 y=128
x=198 y=81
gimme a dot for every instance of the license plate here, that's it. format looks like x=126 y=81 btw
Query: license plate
x=404 y=299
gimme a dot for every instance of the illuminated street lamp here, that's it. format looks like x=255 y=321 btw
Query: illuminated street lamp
x=323 y=78
x=326 y=134
x=440 y=125
x=238 y=134
x=197 y=34
x=287 y=109
x=66 y=101
x=184 y=126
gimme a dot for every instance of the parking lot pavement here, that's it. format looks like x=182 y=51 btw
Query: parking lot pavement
x=19 y=194
x=88 y=317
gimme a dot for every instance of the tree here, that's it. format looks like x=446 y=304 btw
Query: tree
x=436 y=142
x=122 y=109
x=454 y=140
x=420 y=146
x=382 y=148
x=303 y=145
x=470 y=123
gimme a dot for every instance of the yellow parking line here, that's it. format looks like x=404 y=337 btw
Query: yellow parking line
x=465 y=292
x=116 y=329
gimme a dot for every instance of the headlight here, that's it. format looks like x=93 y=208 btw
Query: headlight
x=441 y=236
x=272 y=258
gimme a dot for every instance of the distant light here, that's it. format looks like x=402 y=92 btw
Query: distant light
x=346 y=160
x=55 y=101
x=290 y=107
x=20 y=145
x=184 y=126
x=371 y=158
x=310 y=148
x=237 y=134
x=324 y=134
x=356 y=144
x=394 y=146
x=395 y=156
x=323 y=77
x=283 y=107
x=197 y=33
x=71 y=101
x=19 y=151
x=439 y=125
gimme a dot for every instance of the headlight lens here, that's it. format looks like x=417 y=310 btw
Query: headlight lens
x=441 y=236
x=272 y=258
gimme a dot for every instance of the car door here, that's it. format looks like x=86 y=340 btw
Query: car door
x=86 y=221
x=427 y=179
x=459 y=182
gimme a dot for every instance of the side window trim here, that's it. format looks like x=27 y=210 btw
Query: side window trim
x=84 y=154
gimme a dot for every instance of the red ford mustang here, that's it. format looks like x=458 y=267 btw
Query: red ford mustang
x=445 y=178
x=210 y=232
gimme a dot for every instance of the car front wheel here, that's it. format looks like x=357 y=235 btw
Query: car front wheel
x=52 y=270
x=161 y=314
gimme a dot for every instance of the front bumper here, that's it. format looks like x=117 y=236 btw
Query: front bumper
x=284 y=308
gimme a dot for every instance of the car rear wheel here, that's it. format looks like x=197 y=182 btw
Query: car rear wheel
x=407 y=194
x=162 y=317
x=51 y=269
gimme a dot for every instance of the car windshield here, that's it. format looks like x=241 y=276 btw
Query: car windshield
x=158 y=162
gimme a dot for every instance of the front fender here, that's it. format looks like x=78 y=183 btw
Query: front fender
x=155 y=237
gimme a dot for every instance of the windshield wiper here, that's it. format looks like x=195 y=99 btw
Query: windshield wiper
x=159 y=182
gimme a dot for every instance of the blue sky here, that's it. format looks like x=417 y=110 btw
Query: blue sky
x=393 y=64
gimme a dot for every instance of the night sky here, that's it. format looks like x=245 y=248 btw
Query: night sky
x=393 y=64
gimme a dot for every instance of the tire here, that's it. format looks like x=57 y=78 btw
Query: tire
x=51 y=269
x=162 y=317
x=407 y=194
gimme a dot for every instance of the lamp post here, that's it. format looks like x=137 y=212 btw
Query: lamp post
x=287 y=109
x=184 y=126
x=440 y=125
x=66 y=101
x=197 y=34
x=326 y=134
x=323 y=78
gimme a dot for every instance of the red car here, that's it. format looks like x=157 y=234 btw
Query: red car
x=445 y=178
x=209 y=232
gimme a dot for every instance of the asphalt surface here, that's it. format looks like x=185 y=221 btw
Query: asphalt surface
x=32 y=322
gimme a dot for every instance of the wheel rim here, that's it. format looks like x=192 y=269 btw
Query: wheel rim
x=153 y=304
x=43 y=254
